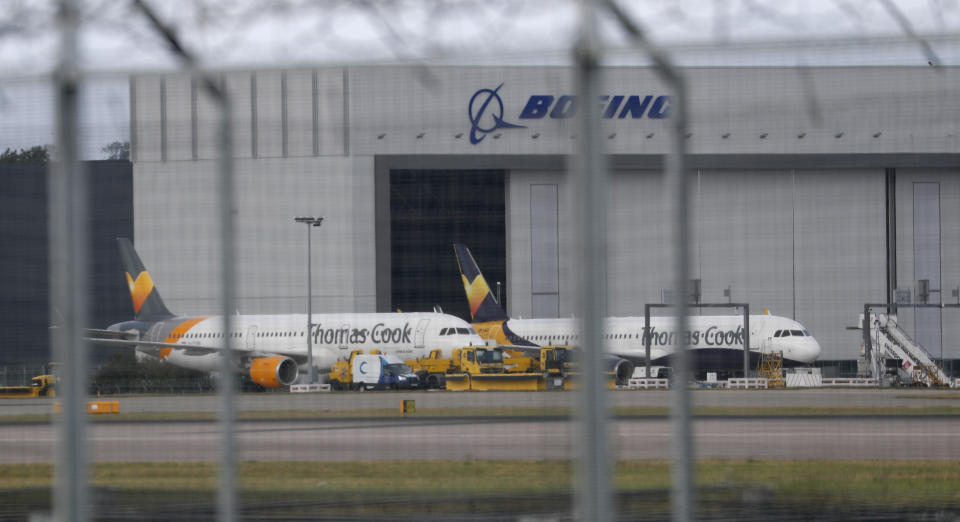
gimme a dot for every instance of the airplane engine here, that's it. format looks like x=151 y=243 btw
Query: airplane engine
x=622 y=369
x=273 y=372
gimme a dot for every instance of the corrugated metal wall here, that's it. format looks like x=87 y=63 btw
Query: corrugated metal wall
x=790 y=235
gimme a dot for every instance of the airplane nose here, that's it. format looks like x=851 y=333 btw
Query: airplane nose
x=810 y=351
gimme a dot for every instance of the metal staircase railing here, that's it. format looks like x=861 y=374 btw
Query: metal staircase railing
x=896 y=343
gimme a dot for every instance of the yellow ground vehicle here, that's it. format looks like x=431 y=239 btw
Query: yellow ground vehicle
x=495 y=368
x=470 y=368
x=479 y=368
x=553 y=363
x=341 y=376
x=432 y=369
x=40 y=386
x=454 y=372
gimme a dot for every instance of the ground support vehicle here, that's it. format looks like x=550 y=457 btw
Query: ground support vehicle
x=372 y=372
x=619 y=371
x=40 y=386
x=553 y=363
x=432 y=369
x=472 y=368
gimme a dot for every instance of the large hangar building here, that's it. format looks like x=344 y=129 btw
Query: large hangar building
x=816 y=189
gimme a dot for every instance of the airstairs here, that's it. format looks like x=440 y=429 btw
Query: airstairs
x=890 y=342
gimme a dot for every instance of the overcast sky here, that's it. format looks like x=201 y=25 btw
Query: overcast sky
x=116 y=40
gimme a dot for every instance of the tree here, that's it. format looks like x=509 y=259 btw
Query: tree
x=118 y=150
x=35 y=154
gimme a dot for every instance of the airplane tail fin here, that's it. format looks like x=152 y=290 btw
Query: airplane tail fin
x=147 y=303
x=483 y=307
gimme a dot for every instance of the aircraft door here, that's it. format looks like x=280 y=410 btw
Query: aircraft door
x=420 y=333
x=761 y=340
x=251 y=338
x=345 y=340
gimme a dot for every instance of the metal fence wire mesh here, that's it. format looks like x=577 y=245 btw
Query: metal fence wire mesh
x=465 y=260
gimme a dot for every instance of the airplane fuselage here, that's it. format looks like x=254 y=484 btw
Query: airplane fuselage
x=333 y=336
x=710 y=337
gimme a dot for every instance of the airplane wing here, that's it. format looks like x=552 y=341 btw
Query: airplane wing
x=193 y=349
x=95 y=334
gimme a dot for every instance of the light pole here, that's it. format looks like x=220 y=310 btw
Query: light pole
x=310 y=222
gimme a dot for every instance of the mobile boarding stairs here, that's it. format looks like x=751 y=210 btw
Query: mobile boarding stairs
x=888 y=342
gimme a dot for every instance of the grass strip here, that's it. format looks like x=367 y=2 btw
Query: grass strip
x=827 y=482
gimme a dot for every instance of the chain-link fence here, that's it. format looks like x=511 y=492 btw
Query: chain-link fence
x=479 y=260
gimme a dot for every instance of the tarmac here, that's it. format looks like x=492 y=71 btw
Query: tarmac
x=481 y=434
x=893 y=398
x=424 y=439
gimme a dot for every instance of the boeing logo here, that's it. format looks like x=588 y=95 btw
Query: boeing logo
x=486 y=109
x=479 y=105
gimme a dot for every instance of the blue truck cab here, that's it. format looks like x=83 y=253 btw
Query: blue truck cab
x=382 y=372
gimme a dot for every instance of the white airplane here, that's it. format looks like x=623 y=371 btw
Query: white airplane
x=272 y=349
x=716 y=340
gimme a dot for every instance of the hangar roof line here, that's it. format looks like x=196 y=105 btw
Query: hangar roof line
x=401 y=110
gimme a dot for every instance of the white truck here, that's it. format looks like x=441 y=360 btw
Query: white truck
x=381 y=372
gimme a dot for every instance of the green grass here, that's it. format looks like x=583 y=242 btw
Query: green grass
x=827 y=482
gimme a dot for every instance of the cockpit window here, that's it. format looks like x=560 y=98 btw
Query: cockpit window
x=807 y=333
x=778 y=333
x=443 y=331
x=796 y=333
x=463 y=331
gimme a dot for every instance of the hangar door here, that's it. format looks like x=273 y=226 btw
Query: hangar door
x=430 y=210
